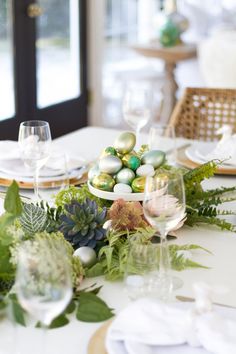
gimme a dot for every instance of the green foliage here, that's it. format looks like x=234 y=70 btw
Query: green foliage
x=144 y=148
x=79 y=194
x=92 y=309
x=33 y=219
x=12 y=202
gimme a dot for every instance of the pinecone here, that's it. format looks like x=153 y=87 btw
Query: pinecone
x=82 y=223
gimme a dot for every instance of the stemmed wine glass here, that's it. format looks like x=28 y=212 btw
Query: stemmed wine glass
x=43 y=280
x=137 y=108
x=34 y=141
x=164 y=208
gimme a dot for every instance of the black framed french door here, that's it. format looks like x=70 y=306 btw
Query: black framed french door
x=43 y=70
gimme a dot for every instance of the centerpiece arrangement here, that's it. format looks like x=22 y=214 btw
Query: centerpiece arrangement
x=96 y=231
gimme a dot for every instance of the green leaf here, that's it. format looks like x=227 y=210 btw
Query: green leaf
x=33 y=219
x=92 y=290
x=59 y=321
x=92 y=309
x=12 y=203
x=17 y=311
x=94 y=271
x=71 y=307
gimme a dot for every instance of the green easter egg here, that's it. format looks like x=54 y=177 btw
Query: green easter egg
x=125 y=142
x=131 y=161
x=138 y=184
x=154 y=157
x=110 y=150
x=104 y=182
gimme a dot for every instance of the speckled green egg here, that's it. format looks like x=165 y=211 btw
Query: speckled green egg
x=104 y=182
x=110 y=164
x=138 y=184
x=125 y=142
x=131 y=161
x=94 y=171
x=125 y=175
x=110 y=150
x=154 y=157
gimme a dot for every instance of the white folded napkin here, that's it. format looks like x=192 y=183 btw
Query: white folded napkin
x=225 y=149
x=151 y=327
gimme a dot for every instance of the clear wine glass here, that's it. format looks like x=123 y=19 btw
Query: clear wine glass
x=43 y=280
x=164 y=208
x=34 y=141
x=137 y=108
x=162 y=137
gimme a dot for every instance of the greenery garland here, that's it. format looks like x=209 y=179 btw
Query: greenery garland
x=22 y=222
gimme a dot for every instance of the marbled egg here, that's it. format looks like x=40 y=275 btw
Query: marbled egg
x=138 y=184
x=145 y=170
x=110 y=150
x=104 y=182
x=122 y=188
x=125 y=175
x=131 y=161
x=154 y=158
x=94 y=171
x=86 y=255
x=125 y=142
x=110 y=164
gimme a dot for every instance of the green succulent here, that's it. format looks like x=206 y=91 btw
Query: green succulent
x=82 y=223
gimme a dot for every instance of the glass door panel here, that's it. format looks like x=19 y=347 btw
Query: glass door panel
x=57 y=52
x=7 y=94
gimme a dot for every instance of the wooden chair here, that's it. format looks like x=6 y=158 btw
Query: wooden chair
x=202 y=111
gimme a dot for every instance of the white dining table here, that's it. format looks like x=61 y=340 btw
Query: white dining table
x=74 y=338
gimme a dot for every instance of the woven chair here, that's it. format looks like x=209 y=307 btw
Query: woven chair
x=202 y=111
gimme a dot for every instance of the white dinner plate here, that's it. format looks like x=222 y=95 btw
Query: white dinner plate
x=128 y=197
x=197 y=152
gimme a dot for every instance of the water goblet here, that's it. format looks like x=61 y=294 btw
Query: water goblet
x=34 y=142
x=137 y=109
x=43 y=280
x=164 y=208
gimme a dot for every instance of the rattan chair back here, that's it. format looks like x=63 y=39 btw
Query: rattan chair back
x=202 y=111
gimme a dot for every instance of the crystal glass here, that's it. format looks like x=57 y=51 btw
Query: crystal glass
x=43 y=280
x=34 y=142
x=141 y=272
x=162 y=137
x=164 y=208
x=137 y=108
x=53 y=176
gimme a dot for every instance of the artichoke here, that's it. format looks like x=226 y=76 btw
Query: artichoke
x=81 y=224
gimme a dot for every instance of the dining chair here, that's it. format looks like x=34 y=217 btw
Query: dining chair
x=202 y=111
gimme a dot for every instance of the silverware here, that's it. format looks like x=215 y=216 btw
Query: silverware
x=190 y=299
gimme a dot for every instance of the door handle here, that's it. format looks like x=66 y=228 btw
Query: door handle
x=34 y=10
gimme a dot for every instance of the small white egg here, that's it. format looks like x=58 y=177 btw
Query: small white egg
x=145 y=170
x=122 y=188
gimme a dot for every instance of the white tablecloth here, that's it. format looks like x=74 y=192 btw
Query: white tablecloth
x=73 y=338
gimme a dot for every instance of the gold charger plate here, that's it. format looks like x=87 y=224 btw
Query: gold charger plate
x=183 y=160
x=97 y=341
x=5 y=182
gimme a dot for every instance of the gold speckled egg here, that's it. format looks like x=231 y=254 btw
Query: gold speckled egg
x=110 y=164
x=110 y=150
x=154 y=157
x=104 y=182
x=138 y=184
x=125 y=142
x=131 y=161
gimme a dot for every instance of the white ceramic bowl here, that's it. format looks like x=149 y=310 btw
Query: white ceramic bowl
x=129 y=197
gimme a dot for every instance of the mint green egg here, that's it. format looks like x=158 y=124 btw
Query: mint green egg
x=93 y=171
x=125 y=142
x=131 y=161
x=125 y=175
x=154 y=157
